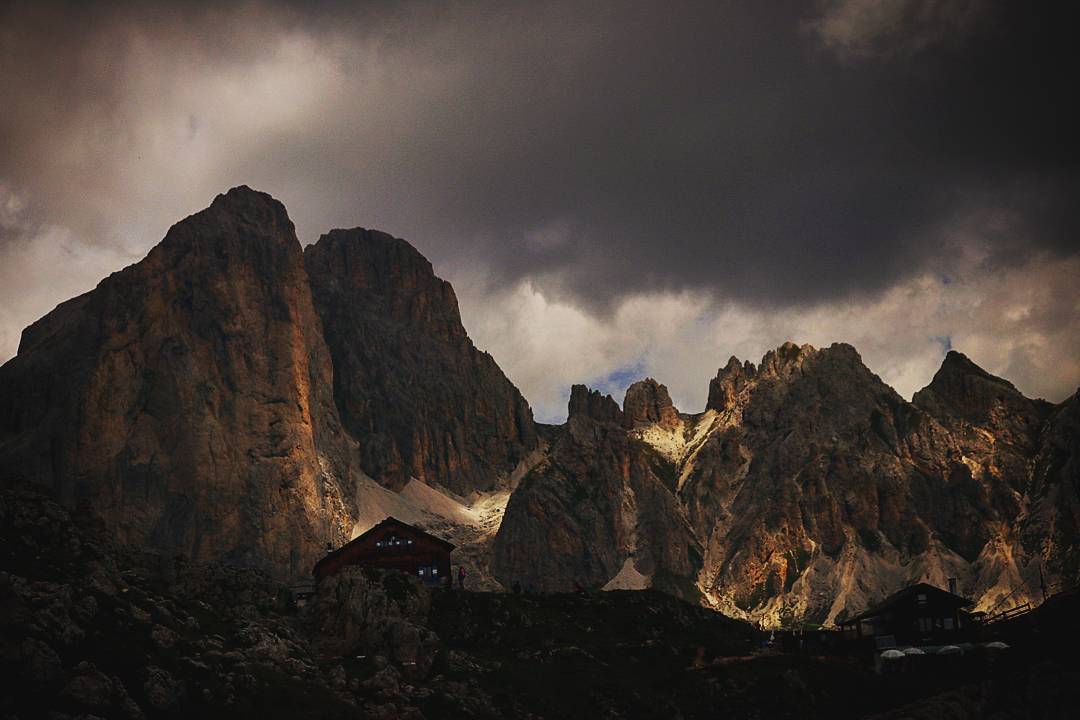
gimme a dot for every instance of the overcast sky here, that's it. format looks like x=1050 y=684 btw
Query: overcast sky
x=614 y=189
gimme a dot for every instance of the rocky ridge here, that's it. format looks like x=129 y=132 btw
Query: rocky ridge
x=228 y=396
x=421 y=400
x=188 y=398
x=598 y=511
x=813 y=489
x=234 y=398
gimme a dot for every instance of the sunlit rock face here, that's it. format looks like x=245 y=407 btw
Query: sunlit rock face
x=1050 y=524
x=188 y=398
x=821 y=490
x=421 y=400
x=647 y=403
x=600 y=506
x=1027 y=451
x=227 y=396
x=819 y=487
x=192 y=399
x=813 y=488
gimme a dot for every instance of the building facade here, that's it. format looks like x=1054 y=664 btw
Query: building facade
x=393 y=545
x=917 y=615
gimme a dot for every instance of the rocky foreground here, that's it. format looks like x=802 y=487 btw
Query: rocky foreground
x=91 y=630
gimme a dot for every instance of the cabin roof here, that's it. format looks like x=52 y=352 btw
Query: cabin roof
x=388 y=522
x=900 y=595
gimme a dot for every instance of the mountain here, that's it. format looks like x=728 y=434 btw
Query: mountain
x=1050 y=524
x=598 y=511
x=232 y=397
x=192 y=399
x=187 y=398
x=410 y=386
x=813 y=489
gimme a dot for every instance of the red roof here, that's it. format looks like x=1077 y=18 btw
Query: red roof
x=390 y=521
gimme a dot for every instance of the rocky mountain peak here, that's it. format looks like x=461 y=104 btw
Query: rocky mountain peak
x=648 y=402
x=242 y=200
x=241 y=213
x=781 y=363
x=422 y=401
x=728 y=381
x=959 y=376
x=785 y=360
x=962 y=393
x=194 y=409
x=594 y=405
x=962 y=389
x=221 y=397
x=388 y=271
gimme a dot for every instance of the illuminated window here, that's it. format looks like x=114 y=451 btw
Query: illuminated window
x=421 y=572
x=434 y=571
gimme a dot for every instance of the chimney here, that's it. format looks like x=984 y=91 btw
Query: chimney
x=952 y=585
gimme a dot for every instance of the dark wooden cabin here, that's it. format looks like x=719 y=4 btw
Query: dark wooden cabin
x=393 y=545
x=917 y=615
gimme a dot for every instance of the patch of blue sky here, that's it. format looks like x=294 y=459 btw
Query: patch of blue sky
x=945 y=341
x=614 y=383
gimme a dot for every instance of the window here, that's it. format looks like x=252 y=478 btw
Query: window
x=921 y=598
x=926 y=624
x=409 y=542
x=421 y=572
x=948 y=624
x=434 y=571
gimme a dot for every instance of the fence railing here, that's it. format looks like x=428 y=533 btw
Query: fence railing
x=1008 y=614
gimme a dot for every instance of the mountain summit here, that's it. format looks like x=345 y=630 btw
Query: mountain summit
x=192 y=399
x=421 y=400
x=811 y=489
x=234 y=397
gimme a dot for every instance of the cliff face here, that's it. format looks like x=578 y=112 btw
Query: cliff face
x=191 y=401
x=599 y=511
x=227 y=396
x=814 y=489
x=818 y=488
x=421 y=400
x=1050 y=525
x=187 y=398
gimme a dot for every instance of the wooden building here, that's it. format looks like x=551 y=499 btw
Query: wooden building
x=393 y=545
x=917 y=615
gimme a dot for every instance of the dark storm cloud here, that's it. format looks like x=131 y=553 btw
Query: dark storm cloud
x=777 y=155
x=712 y=146
x=726 y=151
